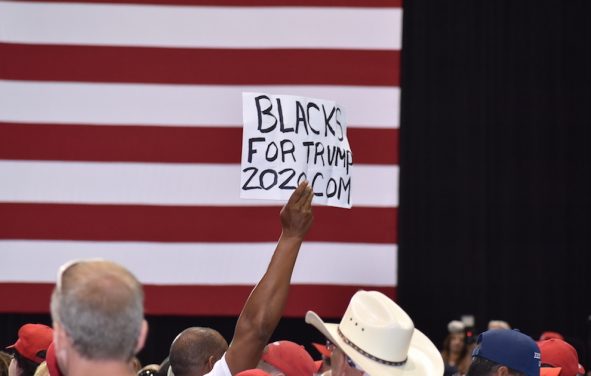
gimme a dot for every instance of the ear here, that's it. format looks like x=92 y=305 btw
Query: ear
x=60 y=337
x=61 y=344
x=502 y=371
x=210 y=362
x=141 y=341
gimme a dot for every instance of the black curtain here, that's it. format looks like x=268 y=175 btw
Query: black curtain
x=495 y=187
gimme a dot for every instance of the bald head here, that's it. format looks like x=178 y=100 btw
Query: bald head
x=100 y=306
x=195 y=350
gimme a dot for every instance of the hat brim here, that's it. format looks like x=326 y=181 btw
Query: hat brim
x=550 y=371
x=423 y=356
x=322 y=349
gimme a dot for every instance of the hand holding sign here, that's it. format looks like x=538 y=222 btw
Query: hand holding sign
x=289 y=139
x=296 y=215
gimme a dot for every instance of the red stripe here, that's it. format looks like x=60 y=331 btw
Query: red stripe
x=161 y=144
x=326 y=300
x=199 y=66
x=188 y=223
x=243 y=3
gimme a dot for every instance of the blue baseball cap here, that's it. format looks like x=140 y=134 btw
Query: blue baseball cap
x=510 y=348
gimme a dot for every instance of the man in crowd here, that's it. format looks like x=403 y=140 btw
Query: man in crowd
x=376 y=337
x=29 y=349
x=503 y=352
x=97 y=307
x=195 y=350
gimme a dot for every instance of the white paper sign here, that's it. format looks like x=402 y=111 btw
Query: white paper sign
x=288 y=139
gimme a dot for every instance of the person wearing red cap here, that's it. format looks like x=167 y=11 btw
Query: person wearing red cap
x=29 y=349
x=287 y=358
x=558 y=358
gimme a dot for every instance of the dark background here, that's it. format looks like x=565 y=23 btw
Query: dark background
x=495 y=211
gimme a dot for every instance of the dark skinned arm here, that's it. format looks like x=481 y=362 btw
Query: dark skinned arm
x=264 y=307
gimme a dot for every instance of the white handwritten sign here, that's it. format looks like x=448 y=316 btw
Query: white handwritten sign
x=288 y=139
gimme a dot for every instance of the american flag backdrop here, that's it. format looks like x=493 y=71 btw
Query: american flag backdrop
x=120 y=137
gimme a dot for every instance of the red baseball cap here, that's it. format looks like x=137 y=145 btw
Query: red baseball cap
x=557 y=353
x=33 y=338
x=253 y=372
x=289 y=357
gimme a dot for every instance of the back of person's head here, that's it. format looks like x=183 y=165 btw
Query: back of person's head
x=195 y=350
x=482 y=366
x=498 y=324
x=505 y=352
x=99 y=306
x=31 y=347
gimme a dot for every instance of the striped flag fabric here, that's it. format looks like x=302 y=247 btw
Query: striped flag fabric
x=121 y=132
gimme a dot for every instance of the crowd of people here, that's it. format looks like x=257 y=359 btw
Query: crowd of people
x=99 y=327
x=503 y=346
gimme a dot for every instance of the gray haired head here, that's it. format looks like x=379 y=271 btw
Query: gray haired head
x=100 y=305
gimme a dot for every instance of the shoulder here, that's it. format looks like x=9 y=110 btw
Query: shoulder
x=220 y=368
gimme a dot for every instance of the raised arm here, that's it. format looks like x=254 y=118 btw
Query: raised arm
x=264 y=306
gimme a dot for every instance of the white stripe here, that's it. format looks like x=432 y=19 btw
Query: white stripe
x=180 y=105
x=204 y=263
x=201 y=26
x=162 y=183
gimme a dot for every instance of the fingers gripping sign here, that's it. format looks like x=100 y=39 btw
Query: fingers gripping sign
x=296 y=215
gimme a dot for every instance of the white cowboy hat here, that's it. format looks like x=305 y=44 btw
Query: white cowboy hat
x=381 y=338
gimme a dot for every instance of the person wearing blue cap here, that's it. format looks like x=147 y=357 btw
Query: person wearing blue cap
x=504 y=352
